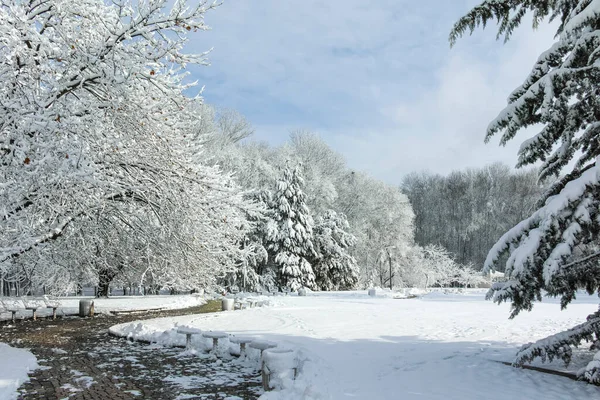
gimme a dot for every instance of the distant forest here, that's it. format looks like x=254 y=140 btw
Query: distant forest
x=467 y=211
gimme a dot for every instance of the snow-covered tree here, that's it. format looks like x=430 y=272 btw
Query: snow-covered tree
x=291 y=239
x=440 y=269
x=560 y=99
x=378 y=214
x=334 y=267
x=250 y=272
x=94 y=163
x=219 y=132
x=381 y=218
x=387 y=264
x=323 y=169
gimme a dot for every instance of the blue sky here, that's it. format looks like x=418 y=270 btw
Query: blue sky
x=376 y=80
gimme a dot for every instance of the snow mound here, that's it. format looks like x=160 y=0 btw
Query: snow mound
x=14 y=366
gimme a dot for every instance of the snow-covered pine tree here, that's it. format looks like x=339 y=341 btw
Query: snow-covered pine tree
x=291 y=242
x=550 y=250
x=335 y=268
x=264 y=229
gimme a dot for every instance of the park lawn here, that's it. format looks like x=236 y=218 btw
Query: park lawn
x=438 y=346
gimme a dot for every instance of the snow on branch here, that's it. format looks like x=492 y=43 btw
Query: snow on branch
x=561 y=345
x=555 y=249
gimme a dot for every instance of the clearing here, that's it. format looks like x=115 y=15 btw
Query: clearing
x=439 y=346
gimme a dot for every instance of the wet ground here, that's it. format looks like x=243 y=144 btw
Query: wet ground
x=79 y=360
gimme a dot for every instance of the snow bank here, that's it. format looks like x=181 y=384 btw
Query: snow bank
x=14 y=365
x=70 y=305
x=132 y=303
x=438 y=346
x=401 y=293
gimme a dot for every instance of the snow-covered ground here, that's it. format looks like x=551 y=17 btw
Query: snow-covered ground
x=70 y=305
x=14 y=365
x=440 y=346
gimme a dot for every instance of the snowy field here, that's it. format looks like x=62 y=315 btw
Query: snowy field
x=440 y=346
x=70 y=305
x=14 y=365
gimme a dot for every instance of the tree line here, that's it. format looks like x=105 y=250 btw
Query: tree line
x=466 y=212
x=323 y=223
x=111 y=175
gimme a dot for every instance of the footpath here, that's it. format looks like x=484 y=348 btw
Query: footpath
x=79 y=360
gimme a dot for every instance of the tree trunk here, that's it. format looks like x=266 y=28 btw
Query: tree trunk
x=390 y=265
x=103 y=289
x=152 y=289
x=105 y=278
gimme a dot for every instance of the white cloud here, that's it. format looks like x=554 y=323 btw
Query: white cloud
x=377 y=80
x=444 y=128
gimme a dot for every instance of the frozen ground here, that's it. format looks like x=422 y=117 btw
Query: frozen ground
x=14 y=365
x=440 y=346
x=70 y=305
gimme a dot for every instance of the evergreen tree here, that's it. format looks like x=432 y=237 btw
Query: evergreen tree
x=246 y=276
x=552 y=249
x=290 y=239
x=335 y=268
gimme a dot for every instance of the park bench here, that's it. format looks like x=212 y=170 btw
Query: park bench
x=242 y=341
x=215 y=336
x=33 y=305
x=252 y=302
x=240 y=304
x=278 y=363
x=12 y=305
x=248 y=302
x=53 y=304
x=262 y=345
x=188 y=332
